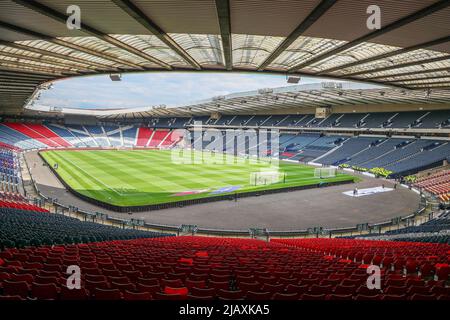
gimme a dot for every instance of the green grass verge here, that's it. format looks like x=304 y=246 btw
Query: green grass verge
x=147 y=177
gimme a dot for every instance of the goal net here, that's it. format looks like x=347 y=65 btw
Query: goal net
x=266 y=177
x=324 y=172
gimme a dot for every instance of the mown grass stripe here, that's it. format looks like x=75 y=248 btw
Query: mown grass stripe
x=143 y=177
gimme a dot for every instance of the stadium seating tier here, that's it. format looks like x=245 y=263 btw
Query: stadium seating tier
x=174 y=268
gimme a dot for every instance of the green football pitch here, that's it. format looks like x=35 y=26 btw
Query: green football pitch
x=146 y=177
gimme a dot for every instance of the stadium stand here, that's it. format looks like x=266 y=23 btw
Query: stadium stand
x=412 y=119
x=174 y=268
x=350 y=120
x=66 y=134
x=407 y=119
x=332 y=120
x=12 y=197
x=158 y=137
x=14 y=138
x=350 y=148
x=114 y=136
x=285 y=121
x=398 y=156
x=273 y=120
x=436 y=230
x=10 y=177
x=435 y=119
x=302 y=140
x=129 y=135
x=239 y=120
x=387 y=124
x=400 y=152
x=285 y=139
x=24 y=225
x=8 y=147
x=257 y=120
x=177 y=122
x=223 y=120
x=429 y=155
x=376 y=120
x=170 y=140
x=301 y=121
x=48 y=134
x=31 y=133
x=144 y=135
x=19 y=205
x=201 y=119
x=38 y=245
x=375 y=150
x=308 y=146
x=98 y=135
x=437 y=184
x=81 y=133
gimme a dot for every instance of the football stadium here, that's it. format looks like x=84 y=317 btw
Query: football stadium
x=332 y=186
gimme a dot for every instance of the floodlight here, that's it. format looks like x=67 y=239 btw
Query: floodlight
x=115 y=76
x=293 y=79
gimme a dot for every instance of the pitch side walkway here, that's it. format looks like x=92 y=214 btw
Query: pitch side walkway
x=326 y=207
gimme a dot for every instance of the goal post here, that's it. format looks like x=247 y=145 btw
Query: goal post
x=266 y=177
x=326 y=172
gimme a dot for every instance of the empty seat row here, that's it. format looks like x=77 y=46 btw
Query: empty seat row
x=224 y=268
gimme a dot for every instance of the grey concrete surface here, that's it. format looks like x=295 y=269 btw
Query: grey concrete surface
x=326 y=207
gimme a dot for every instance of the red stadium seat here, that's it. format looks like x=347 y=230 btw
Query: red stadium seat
x=203 y=292
x=297 y=289
x=394 y=297
x=206 y=298
x=249 y=286
x=318 y=289
x=73 y=294
x=148 y=288
x=419 y=297
x=280 y=269
x=371 y=297
x=123 y=286
x=230 y=295
x=16 y=288
x=171 y=283
x=147 y=281
x=313 y=297
x=419 y=290
x=219 y=285
x=396 y=290
x=164 y=296
x=128 y=295
x=181 y=291
x=194 y=283
x=259 y=295
x=341 y=289
x=48 y=291
x=107 y=294
x=340 y=297
x=286 y=296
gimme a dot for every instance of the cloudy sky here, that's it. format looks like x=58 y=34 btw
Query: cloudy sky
x=140 y=90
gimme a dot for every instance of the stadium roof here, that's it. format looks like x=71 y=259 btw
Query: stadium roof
x=274 y=100
x=327 y=38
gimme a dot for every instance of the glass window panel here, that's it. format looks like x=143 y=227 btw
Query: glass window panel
x=250 y=51
x=154 y=47
x=302 y=50
x=206 y=49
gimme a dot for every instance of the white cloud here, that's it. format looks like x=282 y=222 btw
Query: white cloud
x=139 y=90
